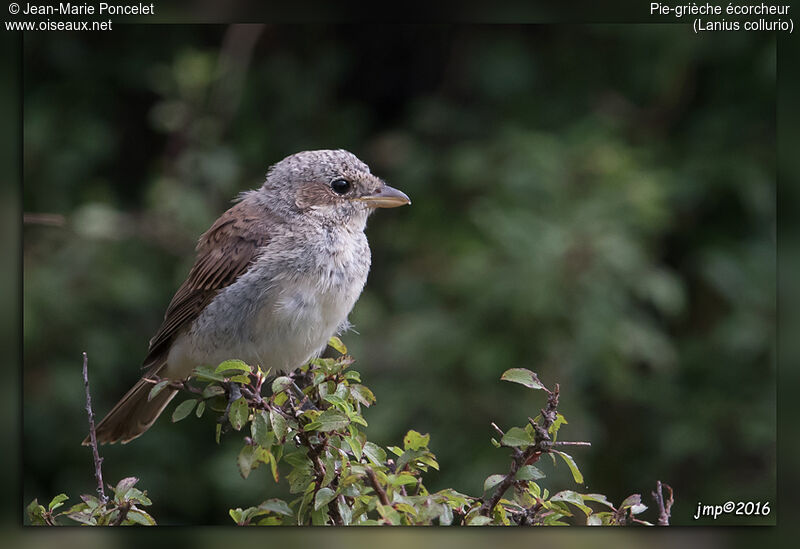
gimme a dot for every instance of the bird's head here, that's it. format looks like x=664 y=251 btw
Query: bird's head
x=332 y=185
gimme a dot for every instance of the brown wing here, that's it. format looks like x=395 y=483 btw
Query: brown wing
x=224 y=253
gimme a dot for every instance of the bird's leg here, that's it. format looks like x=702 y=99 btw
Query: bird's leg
x=233 y=393
x=305 y=403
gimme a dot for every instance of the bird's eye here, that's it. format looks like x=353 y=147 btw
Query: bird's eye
x=340 y=186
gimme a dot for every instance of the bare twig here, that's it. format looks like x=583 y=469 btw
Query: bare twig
x=98 y=461
x=498 y=429
x=571 y=443
x=373 y=478
x=664 y=506
x=48 y=219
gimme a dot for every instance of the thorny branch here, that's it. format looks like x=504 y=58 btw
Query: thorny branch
x=98 y=461
x=542 y=444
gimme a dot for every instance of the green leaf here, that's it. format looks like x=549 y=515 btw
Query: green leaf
x=375 y=454
x=355 y=445
x=479 y=520
x=298 y=460
x=492 y=481
x=529 y=472
x=523 y=376
x=238 y=413
x=352 y=375
x=57 y=502
x=233 y=365
x=415 y=441
x=276 y=506
x=206 y=373
x=84 y=517
x=184 y=409
x=91 y=501
x=138 y=496
x=157 y=388
x=123 y=487
x=337 y=344
x=273 y=464
x=576 y=474
x=218 y=432
x=270 y=521
x=409 y=456
x=330 y=471
x=201 y=407
x=36 y=513
x=281 y=383
x=342 y=391
x=259 y=429
x=599 y=498
x=560 y=420
x=634 y=501
x=329 y=420
x=323 y=497
x=278 y=425
x=574 y=498
x=137 y=516
x=212 y=390
x=517 y=437
x=247 y=458
x=319 y=517
x=345 y=511
x=362 y=394
x=403 y=479
x=241 y=378
x=338 y=402
x=357 y=418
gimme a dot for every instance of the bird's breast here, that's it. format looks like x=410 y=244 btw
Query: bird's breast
x=283 y=310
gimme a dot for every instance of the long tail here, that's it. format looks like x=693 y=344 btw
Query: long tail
x=132 y=415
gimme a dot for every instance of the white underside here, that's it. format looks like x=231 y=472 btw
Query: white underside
x=278 y=322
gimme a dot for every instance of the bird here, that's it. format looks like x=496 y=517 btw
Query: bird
x=273 y=279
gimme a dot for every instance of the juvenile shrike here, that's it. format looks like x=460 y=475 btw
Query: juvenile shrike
x=275 y=277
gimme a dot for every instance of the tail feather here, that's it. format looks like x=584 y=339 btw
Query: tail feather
x=133 y=414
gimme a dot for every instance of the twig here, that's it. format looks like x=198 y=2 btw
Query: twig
x=571 y=443
x=48 y=219
x=373 y=478
x=314 y=452
x=519 y=458
x=184 y=384
x=664 y=507
x=98 y=461
x=498 y=429
x=123 y=509
x=541 y=443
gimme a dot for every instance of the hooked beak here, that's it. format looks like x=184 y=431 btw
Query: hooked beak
x=386 y=197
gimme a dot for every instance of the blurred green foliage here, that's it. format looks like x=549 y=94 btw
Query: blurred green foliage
x=595 y=203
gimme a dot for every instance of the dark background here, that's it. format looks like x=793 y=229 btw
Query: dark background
x=595 y=203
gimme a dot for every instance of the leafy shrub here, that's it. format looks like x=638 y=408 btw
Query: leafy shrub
x=340 y=477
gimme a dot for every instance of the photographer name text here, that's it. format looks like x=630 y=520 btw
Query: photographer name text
x=104 y=8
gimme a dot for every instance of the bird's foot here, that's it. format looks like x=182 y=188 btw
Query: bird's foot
x=305 y=403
